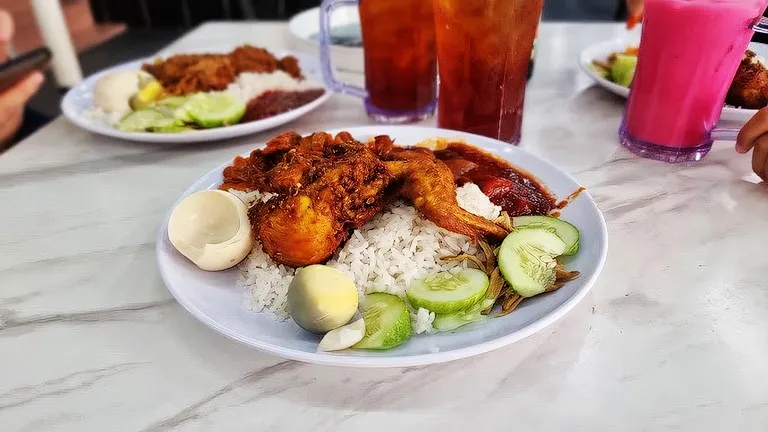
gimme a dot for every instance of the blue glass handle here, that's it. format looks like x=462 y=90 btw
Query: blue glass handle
x=326 y=10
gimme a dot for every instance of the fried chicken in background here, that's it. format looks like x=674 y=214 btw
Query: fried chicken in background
x=750 y=85
x=185 y=74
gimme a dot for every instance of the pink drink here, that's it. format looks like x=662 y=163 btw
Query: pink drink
x=689 y=53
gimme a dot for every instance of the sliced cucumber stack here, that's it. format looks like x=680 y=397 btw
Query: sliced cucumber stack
x=446 y=293
x=146 y=120
x=526 y=259
x=567 y=232
x=387 y=323
x=210 y=110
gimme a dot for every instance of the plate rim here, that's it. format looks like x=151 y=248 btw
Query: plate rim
x=399 y=361
x=69 y=111
x=313 y=14
x=586 y=56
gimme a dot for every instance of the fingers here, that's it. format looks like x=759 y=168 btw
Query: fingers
x=10 y=125
x=752 y=130
x=6 y=26
x=760 y=158
x=21 y=92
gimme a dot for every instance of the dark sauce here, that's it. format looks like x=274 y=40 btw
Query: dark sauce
x=276 y=102
x=516 y=191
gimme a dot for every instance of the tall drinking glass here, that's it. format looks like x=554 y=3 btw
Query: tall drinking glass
x=399 y=51
x=689 y=53
x=483 y=50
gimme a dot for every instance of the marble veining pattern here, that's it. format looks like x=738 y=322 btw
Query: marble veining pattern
x=674 y=335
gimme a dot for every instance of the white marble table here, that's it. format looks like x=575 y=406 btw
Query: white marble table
x=673 y=336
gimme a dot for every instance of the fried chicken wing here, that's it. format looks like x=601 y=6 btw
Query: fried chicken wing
x=429 y=185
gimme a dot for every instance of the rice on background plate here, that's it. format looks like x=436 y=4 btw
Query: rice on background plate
x=385 y=255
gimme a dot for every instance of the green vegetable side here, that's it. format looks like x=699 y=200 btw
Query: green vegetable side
x=182 y=114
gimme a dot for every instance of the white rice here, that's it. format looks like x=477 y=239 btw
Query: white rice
x=98 y=115
x=385 y=255
x=249 y=85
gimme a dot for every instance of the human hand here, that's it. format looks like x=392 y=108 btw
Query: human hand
x=6 y=33
x=12 y=102
x=754 y=136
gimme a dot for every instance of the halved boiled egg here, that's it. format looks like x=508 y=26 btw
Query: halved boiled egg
x=212 y=229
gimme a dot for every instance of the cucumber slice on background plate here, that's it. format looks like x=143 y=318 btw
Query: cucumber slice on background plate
x=145 y=120
x=567 y=232
x=210 y=110
x=387 y=322
x=526 y=259
x=445 y=293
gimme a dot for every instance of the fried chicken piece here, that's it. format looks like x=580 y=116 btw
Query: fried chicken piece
x=185 y=74
x=328 y=188
x=750 y=85
x=247 y=58
x=191 y=73
x=290 y=65
x=429 y=185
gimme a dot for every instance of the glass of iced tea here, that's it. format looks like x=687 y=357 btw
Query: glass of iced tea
x=399 y=51
x=484 y=50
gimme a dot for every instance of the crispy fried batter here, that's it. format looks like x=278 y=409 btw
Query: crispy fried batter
x=184 y=73
x=750 y=85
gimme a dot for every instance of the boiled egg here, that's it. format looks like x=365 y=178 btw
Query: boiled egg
x=321 y=298
x=212 y=229
x=343 y=337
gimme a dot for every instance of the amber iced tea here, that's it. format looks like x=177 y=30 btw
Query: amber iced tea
x=484 y=49
x=399 y=50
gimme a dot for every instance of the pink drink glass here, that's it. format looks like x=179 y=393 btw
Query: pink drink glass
x=689 y=53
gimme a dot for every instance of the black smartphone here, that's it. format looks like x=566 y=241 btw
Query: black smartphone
x=15 y=69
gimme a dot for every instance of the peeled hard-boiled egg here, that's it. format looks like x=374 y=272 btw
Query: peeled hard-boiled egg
x=212 y=229
x=321 y=298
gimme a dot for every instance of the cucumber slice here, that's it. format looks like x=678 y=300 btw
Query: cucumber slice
x=172 y=102
x=210 y=110
x=455 y=320
x=387 y=323
x=567 y=232
x=445 y=293
x=145 y=120
x=526 y=259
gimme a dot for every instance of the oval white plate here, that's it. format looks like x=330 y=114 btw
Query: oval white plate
x=80 y=98
x=345 y=22
x=216 y=300
x=602 y=50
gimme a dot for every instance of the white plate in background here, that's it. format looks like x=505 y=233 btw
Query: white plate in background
x=347 y=52
x=215 y=299
x=80 y=98
x=602 y=50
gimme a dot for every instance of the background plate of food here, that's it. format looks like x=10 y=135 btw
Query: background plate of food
x=344 y=248
x=611 y=64
x=197 y=97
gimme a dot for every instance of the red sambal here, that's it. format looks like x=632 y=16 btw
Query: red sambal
x=514 y=190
